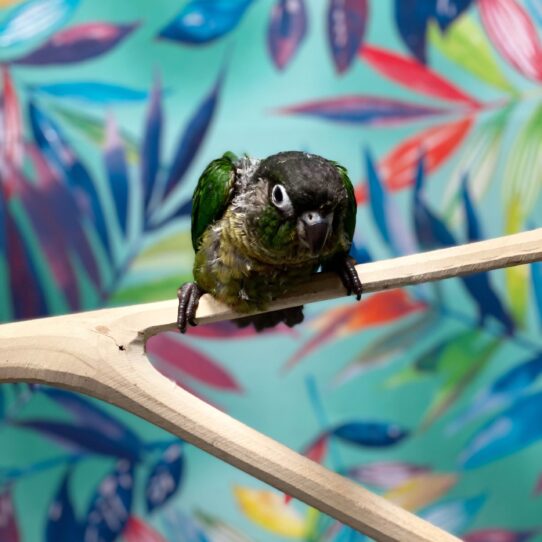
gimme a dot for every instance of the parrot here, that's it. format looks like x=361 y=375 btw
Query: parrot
x=262 y=226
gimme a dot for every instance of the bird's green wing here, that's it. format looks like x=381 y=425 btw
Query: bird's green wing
x=212 y=195
x=351 y=210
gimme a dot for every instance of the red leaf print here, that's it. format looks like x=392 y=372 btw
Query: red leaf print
x=414 y=75
x=137 y=530
x=437 y=144
x=194 y=364
x=378 y=309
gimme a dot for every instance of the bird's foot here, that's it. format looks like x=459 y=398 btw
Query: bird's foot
x=346 y=268
x=189 y=295
x=290 y=317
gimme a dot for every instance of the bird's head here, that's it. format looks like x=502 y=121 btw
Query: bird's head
x=298 y=204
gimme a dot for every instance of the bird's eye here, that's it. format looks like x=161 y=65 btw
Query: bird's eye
x=280 y=198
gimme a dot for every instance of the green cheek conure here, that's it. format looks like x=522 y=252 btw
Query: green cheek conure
x=260 y=227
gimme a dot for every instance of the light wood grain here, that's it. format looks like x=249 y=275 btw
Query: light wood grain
x=101 y=353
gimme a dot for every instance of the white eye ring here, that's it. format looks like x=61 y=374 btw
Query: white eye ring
x=280 y=198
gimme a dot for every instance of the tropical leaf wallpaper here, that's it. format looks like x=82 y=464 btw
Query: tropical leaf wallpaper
x=430 y=396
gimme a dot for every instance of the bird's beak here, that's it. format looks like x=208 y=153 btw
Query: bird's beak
x=315 y=229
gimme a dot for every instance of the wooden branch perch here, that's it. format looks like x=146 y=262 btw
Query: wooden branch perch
x=102 y=354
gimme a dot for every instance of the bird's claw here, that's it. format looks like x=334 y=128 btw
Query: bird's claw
x=189 y=295
x=349 y=277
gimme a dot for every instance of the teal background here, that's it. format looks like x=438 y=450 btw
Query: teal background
x=274 y=402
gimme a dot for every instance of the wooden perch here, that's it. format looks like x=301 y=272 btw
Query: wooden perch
x=102 y=354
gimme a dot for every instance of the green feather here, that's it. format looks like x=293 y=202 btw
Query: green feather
x=212 y=195
x=350 y=218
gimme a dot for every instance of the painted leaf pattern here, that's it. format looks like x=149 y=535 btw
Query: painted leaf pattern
x=287 y=29
x=346 y=24
x=428 y=395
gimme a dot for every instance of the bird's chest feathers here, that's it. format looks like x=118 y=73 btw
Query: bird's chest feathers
x=226 y=268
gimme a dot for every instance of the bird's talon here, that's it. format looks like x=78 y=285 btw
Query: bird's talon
x=349 y=277
x=189 y=295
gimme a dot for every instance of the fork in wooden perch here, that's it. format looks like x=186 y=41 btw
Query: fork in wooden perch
x=102 y=354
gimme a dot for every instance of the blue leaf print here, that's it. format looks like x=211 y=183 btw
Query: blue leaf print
x=287 y=30
x=445 y=13
x=347 y=534
x=536 y=279
x=473 y=225
x=377 y=198
x=117 y=172
x=360 y=253
x=478 y=284
x=454 y=515
x=91 y=415
x=203 y=21
x=151 y=144
x=91 y=93
x=34 y=19
x=111 y=505
x=165 y=477
x=62 y=524
x=346 y=24
x=431 y=232
x=2 y=402
x=370 y=434
x=506 y=389
x=192 y=138
x=507 y=433
x=187 y=528
x=385 y=214
x=413 y=16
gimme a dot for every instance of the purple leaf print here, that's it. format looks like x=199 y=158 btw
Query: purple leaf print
x=54 y=241
x=499 y=535
x=117 y=172
x=150 y=147
x=386 y=475
x=77 y=44
x=55 y=148
x=60 y=200
x=111 y=505
x=9 y=531
x=90 y=414
x=346 y=24
x=287 y=29
x=81 y=438
x=364 y=110
x=165 y=477
x=24 y=283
